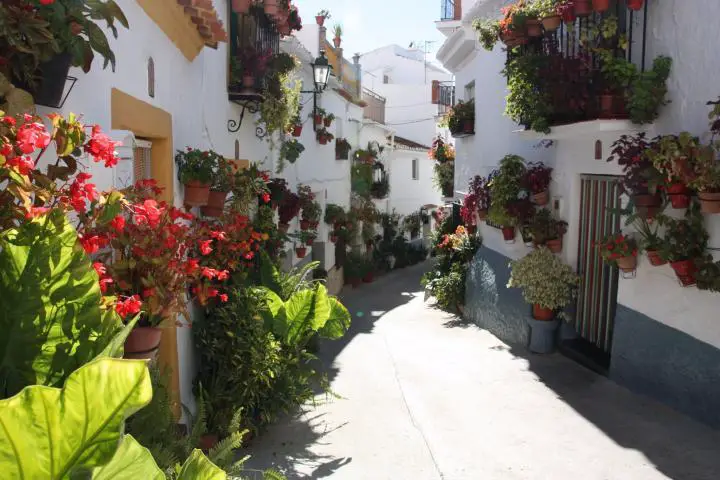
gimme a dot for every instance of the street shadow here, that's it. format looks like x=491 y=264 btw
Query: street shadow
x=679 y=447
x=285 y=447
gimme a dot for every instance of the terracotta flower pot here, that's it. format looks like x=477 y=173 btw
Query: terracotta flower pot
x=317 y=119
x=300 y=252
x=679 y=195
x=322 y=140
x=327 y=121
x=685 y=271
x=248 y=81
x=583 y=8
x=208 y=441
x=635 y=4
x=215 y=205
x=271 y=7
x=655 y=259
x=297 y=130
x=555 y=245
x=241 y=6
x=143 y=343
x=600 y=5
x=709 y=202
x=304 y=224
x=648 y=205
x=551 y=23
x=541 y=313
x=627 y=264
x=337 y=41
x=283 y=227
x=533 y=28
x=508 y=234
x=320 y=20
x=541 y=199
x=196 y=194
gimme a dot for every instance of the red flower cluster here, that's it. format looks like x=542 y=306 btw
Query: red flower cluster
x=130 y=306
x=617 y=246
x=101 y=148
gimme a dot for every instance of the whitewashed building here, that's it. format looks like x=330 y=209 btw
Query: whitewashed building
x=646 y=332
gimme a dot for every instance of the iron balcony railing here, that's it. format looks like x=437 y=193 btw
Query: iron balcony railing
x=375 y=109
x=443 y=95
x=569 y=70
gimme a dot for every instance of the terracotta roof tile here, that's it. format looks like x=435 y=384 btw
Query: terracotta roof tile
x=204 y=16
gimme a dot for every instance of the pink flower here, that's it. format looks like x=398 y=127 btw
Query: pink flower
x=101 y=148
x=147 y=212
x=36 y=212
x=118 y=223
x=130 y=306
x=223 y=297
x=205 y=247
x=222 y=275
x=23 y=164
x=32 y=136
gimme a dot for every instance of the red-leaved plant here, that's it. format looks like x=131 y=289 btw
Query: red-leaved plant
x=538 y=177
x=617 y=246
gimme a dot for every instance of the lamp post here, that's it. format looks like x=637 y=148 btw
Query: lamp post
x=321 y=74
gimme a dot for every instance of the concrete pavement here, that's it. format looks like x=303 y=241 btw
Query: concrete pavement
x=426 y=397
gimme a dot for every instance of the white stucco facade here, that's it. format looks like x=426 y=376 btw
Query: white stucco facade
x=675 y=29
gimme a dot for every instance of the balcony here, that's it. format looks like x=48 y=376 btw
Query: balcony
x=587 y=71
x=450 y=16
x=375 y=109
x=443 y=95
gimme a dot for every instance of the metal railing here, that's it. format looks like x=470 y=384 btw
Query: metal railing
x=375 y=109
x=446 y=97
x=448 y=10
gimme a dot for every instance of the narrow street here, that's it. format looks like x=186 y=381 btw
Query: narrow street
x=424 y=396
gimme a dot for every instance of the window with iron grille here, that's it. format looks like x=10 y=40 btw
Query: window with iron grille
x=142 y=166
x=252 y=31
x=415 y=166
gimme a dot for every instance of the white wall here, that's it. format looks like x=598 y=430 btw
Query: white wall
x=676 y=29
x=402 y=66
x=406 y=194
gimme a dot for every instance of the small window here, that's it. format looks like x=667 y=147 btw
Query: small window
x=470 y=91
x=415 y=175
x=141 y=160
x=386 y=79
x=151 y=78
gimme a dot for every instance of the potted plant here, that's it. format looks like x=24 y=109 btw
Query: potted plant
x=619 y=250
x=253 y=65
x=641 y=179
x=337 y=32
x=635 y=4
x=549 y=286
x=317 y=115
x=380 y=188
x=703 y=175
x=547 y=11
x=272 y=7
x=328 y=119
x=499 y=216
x=505 y=189
x=297 y=127
x=342 y=149
x=583 y=8
x=291 y=150
x=685 y=241
x=222 y=182
x=477 y=201
x=195 y=172
x=444 y=178
x=321 y=16
x=650 y=241
x=546 y=230
x=323 y=136
x=311 y=209
x=289 y=208
x=460 y=120
x=354 y=269
x=488 y=32
x=707 y=274
x=537 y=182
x=241 y=6
x=600 y=5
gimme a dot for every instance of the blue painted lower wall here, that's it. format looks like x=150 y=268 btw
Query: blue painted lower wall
x=648 y=357
x=659 y=361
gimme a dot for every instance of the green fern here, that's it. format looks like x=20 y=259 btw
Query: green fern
x=222 y=453
x=273 y=475
x=199 y=423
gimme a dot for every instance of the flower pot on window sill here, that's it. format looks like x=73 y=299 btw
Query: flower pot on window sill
x=215 y=205
x=551 y=23
x=655 y=259
x=248 y=81
x=468 y=127
x=300 y=252
x=196 y=194
x=627 y=264
x=685 y=271
x=143 y=343
x=709 y=202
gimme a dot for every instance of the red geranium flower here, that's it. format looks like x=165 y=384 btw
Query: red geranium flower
x=130 y=306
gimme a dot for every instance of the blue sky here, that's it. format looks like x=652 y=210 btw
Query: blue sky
x=369 y=24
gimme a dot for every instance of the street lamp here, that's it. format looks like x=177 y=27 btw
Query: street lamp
x=321 y=74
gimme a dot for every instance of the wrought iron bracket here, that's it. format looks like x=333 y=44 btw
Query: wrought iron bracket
x=249 y=103
x=315 y=95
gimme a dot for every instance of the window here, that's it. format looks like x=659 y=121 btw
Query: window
x=141 y=160
x=470 y=91
x=386 y=79
x=415 y=174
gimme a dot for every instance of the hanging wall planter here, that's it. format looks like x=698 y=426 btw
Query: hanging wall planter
x=647 y=205
x=508 y=234
x=685 y=271
x=300 y=252
x=583 y=8
x=541 y=199
x=215 y=205
x=50 y=87
x=655 y=259
x=297 y=130
x=709 y=202
x=208 y=441
x=271 y=7
x=551 y=23
x=533 y=27
x=555 y=245
x=635 y=4
x=248 y=81
x=627 y=264
x=679 y=195
x=197 y=194
x=600 y=5
x=309 y=241
x=241 y=6
x=143 y=343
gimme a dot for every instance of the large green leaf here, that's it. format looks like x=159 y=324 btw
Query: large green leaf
x=198 y=467
x=52 y=434
x=50 y=301
x=274 y=314
x=298 y=310
x=116 y=347
x=321 y=308
x=338 y=322
x=131 y=461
